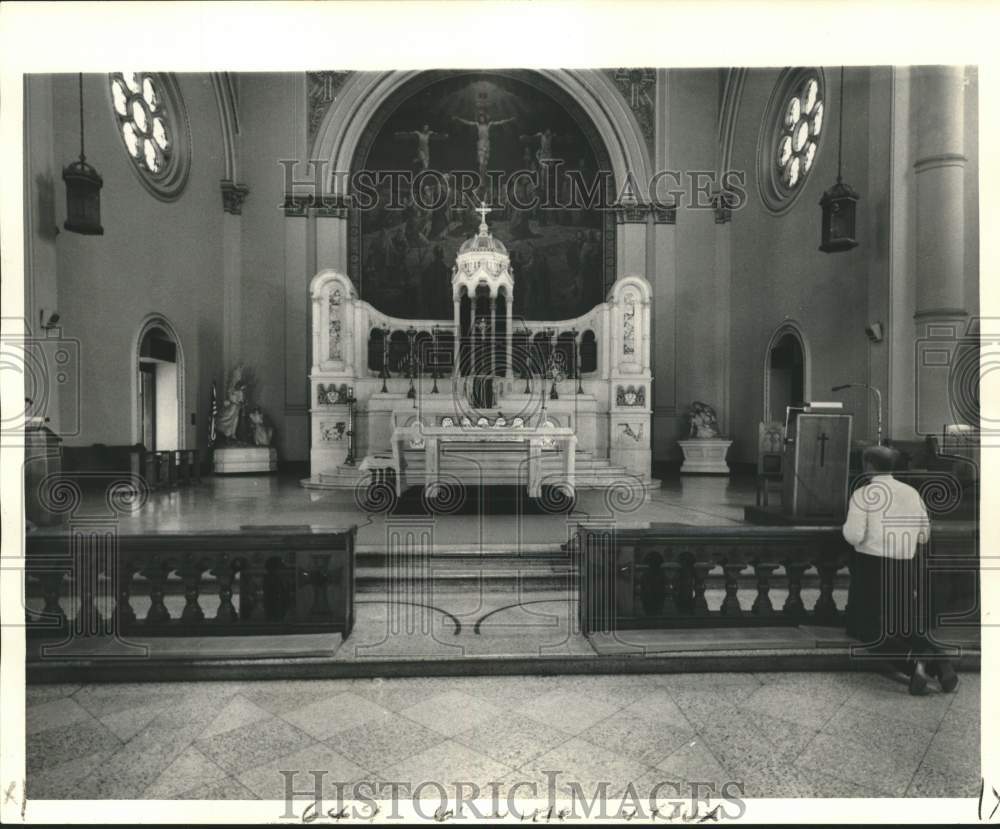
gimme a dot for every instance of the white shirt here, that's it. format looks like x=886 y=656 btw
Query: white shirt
x=887 y=518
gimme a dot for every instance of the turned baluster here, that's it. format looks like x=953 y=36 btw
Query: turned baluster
x=318 y=577
x=670 y=572
x=825 y=609
x=252 y=575
x=223 y=572
x=793 y=606
x=191 y=574
x=52 y=583
x=156 y=574
x=701 y=569
x=762 y=604
x=731 y=604
x=124 y=612
x=86 y=567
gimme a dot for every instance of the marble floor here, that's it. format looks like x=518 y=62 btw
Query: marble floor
x=778 y=735
x=236 y=501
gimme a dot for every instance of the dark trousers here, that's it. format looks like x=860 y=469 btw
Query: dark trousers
x=888 y=612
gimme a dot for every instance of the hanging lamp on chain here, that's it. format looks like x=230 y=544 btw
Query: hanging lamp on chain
x=840 y=202
x=83 y=190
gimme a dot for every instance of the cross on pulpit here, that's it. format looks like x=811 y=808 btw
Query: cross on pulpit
x=822 y=438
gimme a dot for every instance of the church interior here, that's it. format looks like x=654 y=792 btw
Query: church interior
x=485 y=422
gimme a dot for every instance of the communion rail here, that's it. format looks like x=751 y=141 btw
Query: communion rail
x=92 y=581
x=658 y=577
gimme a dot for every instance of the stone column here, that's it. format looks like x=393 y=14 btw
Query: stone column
x=233 y=196
x=331 y=238
x=293 y=434
x=493 y=335
x=939 y=175
x=509 y=371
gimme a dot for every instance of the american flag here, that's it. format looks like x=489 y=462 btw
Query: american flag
x=215 y=411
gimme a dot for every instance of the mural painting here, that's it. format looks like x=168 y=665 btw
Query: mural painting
x=464 y=139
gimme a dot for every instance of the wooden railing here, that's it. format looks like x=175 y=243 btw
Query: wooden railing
x=91 y=581
x=159 y=469
x=168 y=468
x=659 y=577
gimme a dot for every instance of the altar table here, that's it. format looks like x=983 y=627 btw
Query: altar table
x=526 y=441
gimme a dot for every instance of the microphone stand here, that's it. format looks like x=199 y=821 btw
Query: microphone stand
x=878 y=403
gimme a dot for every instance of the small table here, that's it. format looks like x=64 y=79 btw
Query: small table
x=533 y=439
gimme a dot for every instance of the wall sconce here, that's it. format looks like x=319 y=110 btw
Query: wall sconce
x=83 y=190
x=47 y=321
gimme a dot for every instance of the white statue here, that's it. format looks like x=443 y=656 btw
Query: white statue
x=228 y=420
x=703 y=420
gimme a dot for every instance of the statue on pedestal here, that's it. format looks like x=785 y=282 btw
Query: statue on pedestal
x=244 y=438
x=239 y=423
x=703 y=421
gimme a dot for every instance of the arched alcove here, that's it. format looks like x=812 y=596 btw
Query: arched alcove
x=787 y=376
x=158 y=386
x=422 y=157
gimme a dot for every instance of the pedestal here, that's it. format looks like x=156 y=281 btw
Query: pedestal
x=705 y=457
x=235 y=459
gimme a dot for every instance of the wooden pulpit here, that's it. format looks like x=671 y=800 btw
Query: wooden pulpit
x=816 y=469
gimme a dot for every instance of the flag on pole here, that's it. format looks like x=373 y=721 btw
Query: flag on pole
x=215 y=411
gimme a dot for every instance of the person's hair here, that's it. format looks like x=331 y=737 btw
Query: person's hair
x=880 y=458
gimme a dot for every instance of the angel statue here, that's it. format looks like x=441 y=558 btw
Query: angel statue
x=703 y=420
x=262 y=433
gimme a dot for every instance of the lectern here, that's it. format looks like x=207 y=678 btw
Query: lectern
x=816 y=468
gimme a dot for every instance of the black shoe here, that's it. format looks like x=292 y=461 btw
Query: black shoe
x=947 y=677
x=918 y=679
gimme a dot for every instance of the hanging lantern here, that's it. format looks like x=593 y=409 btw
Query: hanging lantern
x=840 y=202
x=839 y=205
x=83 y=190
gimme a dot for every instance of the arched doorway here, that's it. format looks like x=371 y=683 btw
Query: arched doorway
x=786 y=372
x=158 y=401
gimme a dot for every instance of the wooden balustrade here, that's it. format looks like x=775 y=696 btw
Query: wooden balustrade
x=159 y=469
x=659 y=577
x=271 y=582
x=168 y=468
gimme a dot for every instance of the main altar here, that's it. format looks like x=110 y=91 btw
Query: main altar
x=486 y=398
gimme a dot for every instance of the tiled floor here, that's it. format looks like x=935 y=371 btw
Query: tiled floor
x=780 y=735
